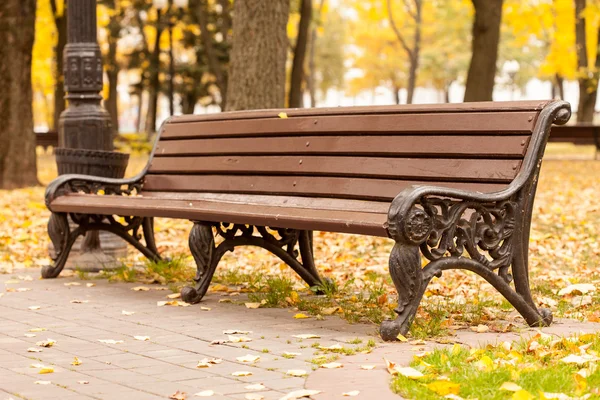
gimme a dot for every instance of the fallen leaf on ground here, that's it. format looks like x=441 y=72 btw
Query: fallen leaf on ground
x=42 y=382
x=252 y=305
x=46 y=370
x=202 y=308
x=239 y=339
x=127 y=312
x=76 y=361
x=205 y=393
x=142 y=338
x=306 y=336
x=332 y=365
x=241 y=373
x=174 y=303
x=30 y=335
x=522 y=395
x=298 y=394
x=480 y=328
x=248 y=358
x=408 y=372
x=18 y=290
x=351 y=394
x=110 y=341
x=90 y=284
x=296 y=372
x=206 y=362
x=33 y=308
x=291 y=354
x=224 y=300
x=401 y=338
x=332 y=347
x=257 y=386
x=367 y=367
x=254 y=396
x=511 y=387
x=141 y=288
x=581 y=288
x=219 y=341
x=301 y=316
x=46 y=343
x=576 y=359
x=331 y=310
x=34 y=350
x=83 y=382
x=178 y=396
x=236 y=332
x=79 y=301
x=174 y=296
x=444 y=388
x=72 y=284
x=37 y=330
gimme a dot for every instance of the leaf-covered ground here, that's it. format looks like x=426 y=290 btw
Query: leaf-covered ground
x=564 y=251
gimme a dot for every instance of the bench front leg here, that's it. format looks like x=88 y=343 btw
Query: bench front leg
x=407 y=275
x=62 y=239
x=206 y=256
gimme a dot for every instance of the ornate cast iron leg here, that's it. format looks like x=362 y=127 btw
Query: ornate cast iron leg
x=406 y=273
x=305 y=242
x=202 y=246
x=148 y=230
x=63 y=239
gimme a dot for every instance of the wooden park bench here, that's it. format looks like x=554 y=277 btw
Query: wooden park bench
x=453 y=183
x=580 y=134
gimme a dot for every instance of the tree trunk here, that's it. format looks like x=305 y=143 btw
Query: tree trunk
x=588 y=81
x=312 y=68
x=206 y=36
x=486 y=38
x=154 y=82
x=112 y=73
x=59 y=91
x=258 y=56
x=412 y=52
x=17 y=140
x=295 y=97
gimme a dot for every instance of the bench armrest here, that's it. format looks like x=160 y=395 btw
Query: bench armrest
x=92 y=185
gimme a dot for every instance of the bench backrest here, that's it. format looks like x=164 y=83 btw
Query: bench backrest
x=367 y=153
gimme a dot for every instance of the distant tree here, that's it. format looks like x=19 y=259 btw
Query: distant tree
x=17 y=140
x=59 y=13
x=485 y=42
x=588 y=73
x=258 y=56
x=412 y=48
x=296 y=92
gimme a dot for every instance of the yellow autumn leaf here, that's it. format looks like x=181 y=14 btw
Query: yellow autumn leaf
x=511 y=387
x=301 y=316
x=46 y=370
x=282 y=115
x=444 y=388
x=76 y=361
x=522 y=395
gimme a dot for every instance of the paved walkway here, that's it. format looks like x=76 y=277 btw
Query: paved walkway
x=77 y=317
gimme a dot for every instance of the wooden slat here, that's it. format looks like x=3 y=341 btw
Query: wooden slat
x=357 y=188
x=484 y=107
x=397 y=168
x=288 y=217
x=377 y=207
x=455 y=146
x=516 y=122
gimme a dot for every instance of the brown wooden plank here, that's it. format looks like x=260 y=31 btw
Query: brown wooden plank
x=294 y=218
x=515 y=122
x=487 y=106
x=378 y=207
x=456 y=146
x=357 y=188
x=397 y=168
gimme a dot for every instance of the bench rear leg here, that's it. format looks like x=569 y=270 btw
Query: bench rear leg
x=63 y=239
x=206 y=256
x=407 y=275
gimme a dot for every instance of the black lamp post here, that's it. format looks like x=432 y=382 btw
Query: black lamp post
x=85 y=135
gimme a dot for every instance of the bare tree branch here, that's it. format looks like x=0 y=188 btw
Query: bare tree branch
x=397 y=31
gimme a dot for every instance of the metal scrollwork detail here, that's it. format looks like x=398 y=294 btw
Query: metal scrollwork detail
x=418 y=225
x=483 y=231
